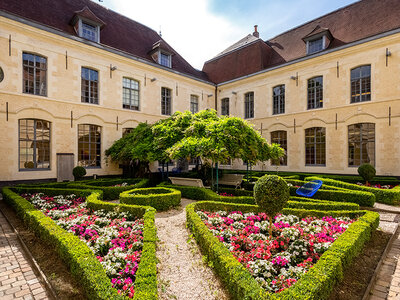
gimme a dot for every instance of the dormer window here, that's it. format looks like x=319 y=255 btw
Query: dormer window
x=165 y=59
x=87 y=25
x=315 y=45
x=90 y=32
x=317 y=40
x=162 y=53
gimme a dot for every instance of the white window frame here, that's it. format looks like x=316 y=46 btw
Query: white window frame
x=80 y=31
x=313 y=40
x=169 y=59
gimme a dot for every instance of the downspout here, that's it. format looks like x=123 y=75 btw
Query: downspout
x=216 y=98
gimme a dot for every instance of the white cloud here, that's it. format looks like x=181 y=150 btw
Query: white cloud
x=188 y=26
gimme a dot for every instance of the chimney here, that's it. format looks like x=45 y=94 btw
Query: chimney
x=256 y=33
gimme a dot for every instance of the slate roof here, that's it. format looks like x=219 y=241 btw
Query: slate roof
x=119 y=32
x=351 y=23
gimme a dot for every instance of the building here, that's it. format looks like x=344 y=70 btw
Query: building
x=74 y=76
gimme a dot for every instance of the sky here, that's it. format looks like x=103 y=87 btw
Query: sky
x=200 y=29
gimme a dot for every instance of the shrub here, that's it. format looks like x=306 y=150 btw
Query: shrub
x=315 y=284
x=271 y=193
x=367 y=172
x=78 y=172
x=381 y=195
x=160 y=198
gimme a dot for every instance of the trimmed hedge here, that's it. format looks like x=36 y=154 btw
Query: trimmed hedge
x=83 y=264
x=197 y=193
x=111 y=192
x=317 y=283
x=146 y=275
x=161 y=198
x=381 y=195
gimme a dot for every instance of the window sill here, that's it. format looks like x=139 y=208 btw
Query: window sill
x=315 y=165
x=34 y=94
x=314 y=108
x=355 y=102
x=88 y=168
x=34 y=170
x=278 y=114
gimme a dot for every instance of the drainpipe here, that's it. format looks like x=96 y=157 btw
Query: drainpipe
x=216 y=98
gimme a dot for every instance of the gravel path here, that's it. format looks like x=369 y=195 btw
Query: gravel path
x=182 y=274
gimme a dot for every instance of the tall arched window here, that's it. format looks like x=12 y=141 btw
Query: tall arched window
x=280 y=137
x=361 y=144
x=278 y=99
x=315 y=93
x=315 y=142
x=89 y=145
x=361 y=84
x=34 y=144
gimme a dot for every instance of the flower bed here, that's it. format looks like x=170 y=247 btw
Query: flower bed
x=115 y=238
x=317 y=283
x=280 y=261
x=160 y=198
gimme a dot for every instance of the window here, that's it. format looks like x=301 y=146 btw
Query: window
x=130 y=94
x=35 y=74
x=90 y=86
x=361 y=144
x=315 y=146
x=249 y=105
x=89 y=145
x=165 y=101
x=194 y=104
x=315 y=93
x=225 y=107
x=126 y=131
x=315 y=45
x=165 y=59
x=34 y=144
x=361 y=84
x=90 y=32
x=280 y=137
x=279 y=99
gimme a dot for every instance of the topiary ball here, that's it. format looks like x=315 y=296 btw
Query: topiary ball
x=78 y=172
x=366 y=171
x=271 y=193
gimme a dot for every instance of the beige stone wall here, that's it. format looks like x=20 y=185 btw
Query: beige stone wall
x=64 y=96
x=385 y=88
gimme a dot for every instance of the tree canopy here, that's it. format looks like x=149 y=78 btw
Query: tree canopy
x=204 y=134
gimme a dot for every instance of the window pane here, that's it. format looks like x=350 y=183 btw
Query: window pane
x=361 y=140
x=194 y=104
x=89 y=86
x=34 y=74
x=225 y=107
x=279 y=99
x=165 y=101
x=280 y=137
x=315 y=93
x=361 y=84
x=315 y=146
x=249 y=105
x=34 y=144
x=89 y=145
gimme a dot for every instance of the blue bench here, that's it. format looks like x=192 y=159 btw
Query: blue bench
x=309 y=189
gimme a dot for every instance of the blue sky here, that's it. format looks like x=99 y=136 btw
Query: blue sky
x=200 y=29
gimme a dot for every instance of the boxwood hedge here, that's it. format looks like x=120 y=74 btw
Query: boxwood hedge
x=317 y=283
x=161 y=198
x=387 y=196
x=110 y=192
x=82 y=262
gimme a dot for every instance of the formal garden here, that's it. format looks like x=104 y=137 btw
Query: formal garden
x=257 y=241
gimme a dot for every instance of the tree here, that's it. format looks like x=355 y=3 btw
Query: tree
x=271 y=193
x=367 y=172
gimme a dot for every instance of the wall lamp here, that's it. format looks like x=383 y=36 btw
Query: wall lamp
x=153 y=79
x=209 y=95
x=235 y=93
x=113 y=68
x=293 y=77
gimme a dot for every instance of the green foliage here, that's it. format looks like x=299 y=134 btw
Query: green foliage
x=366 y=171
x=185 y=135
x=83 y=264
x=78 y=172
x=317 y=283
x=385 y=196
x=271 y=193
x=160 y=198
x=111 y=192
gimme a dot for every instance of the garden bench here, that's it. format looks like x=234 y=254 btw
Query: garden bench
x=231 y=179
x=187 y=181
